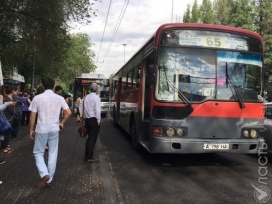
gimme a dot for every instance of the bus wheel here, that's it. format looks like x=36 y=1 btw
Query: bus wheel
x=114 y=118
x=134 y=136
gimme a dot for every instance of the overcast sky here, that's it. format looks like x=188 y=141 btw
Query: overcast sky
x=139 y=22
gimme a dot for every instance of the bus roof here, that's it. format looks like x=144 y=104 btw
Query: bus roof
x=207 y=26
x=155 y=36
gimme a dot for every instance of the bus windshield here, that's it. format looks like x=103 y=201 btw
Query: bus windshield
x=82 y=87
x=202 y=74
x=104 y=94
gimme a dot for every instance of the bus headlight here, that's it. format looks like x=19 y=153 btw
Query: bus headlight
x=180 y=131
x=253 y=133
x=246 y=133
x=170 y=132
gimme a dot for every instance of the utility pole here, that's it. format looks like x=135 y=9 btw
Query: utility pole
x=33 y=69
x=124 y=53
x=172 y=11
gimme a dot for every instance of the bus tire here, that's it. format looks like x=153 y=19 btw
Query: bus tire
x=114 y=118
x=134 y=135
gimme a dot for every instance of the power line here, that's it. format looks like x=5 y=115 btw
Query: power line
x=117 y=26
x=104 y=31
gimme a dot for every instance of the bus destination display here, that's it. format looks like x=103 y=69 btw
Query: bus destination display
x=186 y=38
x=88 y=81
x=210 y=39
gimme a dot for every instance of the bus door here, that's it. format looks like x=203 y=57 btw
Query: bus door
x=84 y=91
x=147 y=97
x=118 y=99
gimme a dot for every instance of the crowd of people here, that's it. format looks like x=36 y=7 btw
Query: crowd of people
x=14 y=106
x=46 y=112
x=15 y=110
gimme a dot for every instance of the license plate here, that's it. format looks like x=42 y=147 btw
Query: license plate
x=216 y=146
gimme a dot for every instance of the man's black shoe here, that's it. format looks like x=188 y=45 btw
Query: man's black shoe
x=2 y=161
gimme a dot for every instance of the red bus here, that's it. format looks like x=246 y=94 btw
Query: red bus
x=193 y=88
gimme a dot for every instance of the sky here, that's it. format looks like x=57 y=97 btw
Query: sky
x=140 y=20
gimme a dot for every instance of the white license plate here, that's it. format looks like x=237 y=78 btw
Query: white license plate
x=216 y=146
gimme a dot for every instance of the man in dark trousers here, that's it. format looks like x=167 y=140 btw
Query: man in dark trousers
x=92 y=115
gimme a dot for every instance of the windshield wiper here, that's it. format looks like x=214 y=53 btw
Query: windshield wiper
x=233 y=88
x=180 y=95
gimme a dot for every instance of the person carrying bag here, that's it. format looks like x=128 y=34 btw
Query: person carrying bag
x=92 y=116
x=5 y=126
x=82 y=130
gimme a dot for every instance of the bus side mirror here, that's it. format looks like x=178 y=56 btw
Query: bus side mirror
x=266 y=79
x=150 y=75
x=107 y=82
x=266 y=76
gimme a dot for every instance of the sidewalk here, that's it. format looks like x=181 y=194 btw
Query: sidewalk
x=75 y=181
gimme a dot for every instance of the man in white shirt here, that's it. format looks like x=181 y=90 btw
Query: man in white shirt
x=92 y=116
x=48 y=106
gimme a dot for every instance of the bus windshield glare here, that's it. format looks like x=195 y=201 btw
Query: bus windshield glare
x=202 y=74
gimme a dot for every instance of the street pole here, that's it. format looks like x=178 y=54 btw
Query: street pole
x=33 y=69
x=124 y=53
x=33 y=75
x=172 y=11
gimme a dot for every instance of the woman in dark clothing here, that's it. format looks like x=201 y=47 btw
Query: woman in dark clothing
x=6 y=150
x=25 y=112
x=10 y=113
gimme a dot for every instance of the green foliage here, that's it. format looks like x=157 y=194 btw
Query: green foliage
x=79 y=58
x=222 y=11
x=206 y=12
x=240 y=15
x=195 y=13
x=34 y=36
x=187 y=15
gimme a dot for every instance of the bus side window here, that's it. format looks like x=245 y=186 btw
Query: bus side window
x=123 y=84
x=129 y=80
x=114 y=88
x=136 y=76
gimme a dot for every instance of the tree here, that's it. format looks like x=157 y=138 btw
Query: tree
x=206 y=12
x=264 y=27
x=195 y=13
x=34 y=35
x=242 y=15
x=79 y=58
x=187 y=15
x=222 y=11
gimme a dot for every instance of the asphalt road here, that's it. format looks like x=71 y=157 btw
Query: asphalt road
x=191 y=178
x=123 y=175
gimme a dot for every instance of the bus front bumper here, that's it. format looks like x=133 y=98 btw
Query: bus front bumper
x=191 y=146
x=104 y=110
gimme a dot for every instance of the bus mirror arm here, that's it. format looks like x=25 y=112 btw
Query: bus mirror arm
x=150 y=75
x=266 y=82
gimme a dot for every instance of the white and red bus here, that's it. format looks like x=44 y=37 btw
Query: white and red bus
x=193 y=88
x=82 y=87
